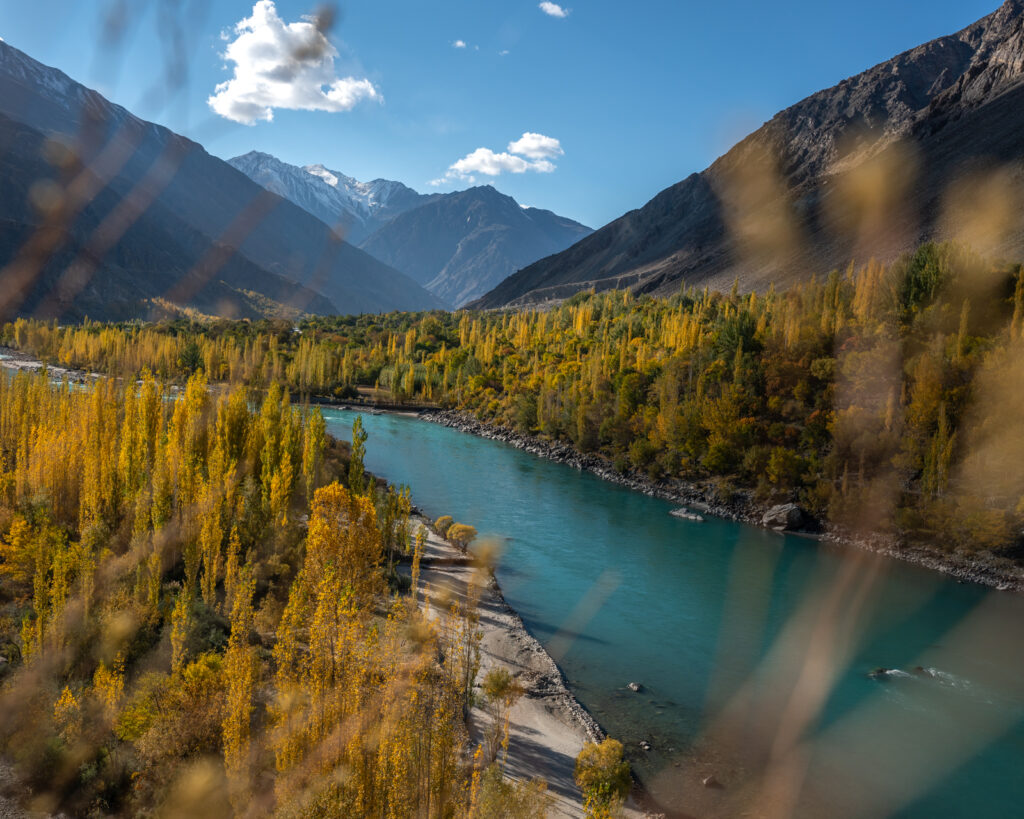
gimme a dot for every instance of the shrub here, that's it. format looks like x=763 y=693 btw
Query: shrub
x=461 y=535
x=442 y=524
x=603 y=777
x=502 y=798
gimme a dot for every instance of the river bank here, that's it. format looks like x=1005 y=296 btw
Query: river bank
x=710 y=617
x=985 y=569
x=12 y=359
x=563 y=533
x=547 y=725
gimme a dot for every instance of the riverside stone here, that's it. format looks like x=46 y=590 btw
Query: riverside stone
x=785 y=516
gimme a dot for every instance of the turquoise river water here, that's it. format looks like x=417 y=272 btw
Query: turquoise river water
x=723 y=622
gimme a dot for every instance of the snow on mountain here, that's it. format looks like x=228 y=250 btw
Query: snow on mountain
x=355 y=208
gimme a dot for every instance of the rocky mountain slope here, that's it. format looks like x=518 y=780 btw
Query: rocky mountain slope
x=104 y=213
x=457 y=245
x=76 y=262
x=460 y=245
x=929 y=144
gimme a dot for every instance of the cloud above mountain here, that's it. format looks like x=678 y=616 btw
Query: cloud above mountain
x=283 y=65
x=531 y=152
x=536 y=146
x=486 y=161
x=553 y=9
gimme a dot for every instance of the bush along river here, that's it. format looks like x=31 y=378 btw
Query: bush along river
x=774 y=672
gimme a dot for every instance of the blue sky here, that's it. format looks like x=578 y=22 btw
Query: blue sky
x=637 y=95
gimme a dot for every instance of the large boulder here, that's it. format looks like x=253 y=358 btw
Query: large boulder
x=784 y=517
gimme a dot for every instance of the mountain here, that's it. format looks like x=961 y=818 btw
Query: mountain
x=104 y=214
x=457 y=245
x=356 y=208
x=462 y=244
x=77 y=262
x=910 y=150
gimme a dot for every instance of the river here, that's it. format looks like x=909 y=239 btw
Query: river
x=721 y=623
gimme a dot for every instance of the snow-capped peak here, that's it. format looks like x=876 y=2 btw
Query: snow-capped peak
x=359 y=207
x=324 y=174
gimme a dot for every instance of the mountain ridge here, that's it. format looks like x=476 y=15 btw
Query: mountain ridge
x=228 y=218
x=50 y=273
x=468 y=241
x=457 y=245
x=353 y=208
x=898 y=113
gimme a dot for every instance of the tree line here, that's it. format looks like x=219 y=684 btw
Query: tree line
x=879 y=397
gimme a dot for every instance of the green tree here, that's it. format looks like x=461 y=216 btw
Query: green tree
x=356 y=467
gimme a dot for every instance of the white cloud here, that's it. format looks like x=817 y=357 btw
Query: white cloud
x=503 y=53
x=283 y=65
x=536 y=146
x=554 y=10
x=486 y=161
x=530 y=153
x=459 y=44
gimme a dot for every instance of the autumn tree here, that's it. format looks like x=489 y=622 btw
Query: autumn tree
x=603 y=777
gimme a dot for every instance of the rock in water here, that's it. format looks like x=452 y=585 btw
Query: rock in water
x=686 y=514
x=785 y=517
x=711 y=782
x=635 y=686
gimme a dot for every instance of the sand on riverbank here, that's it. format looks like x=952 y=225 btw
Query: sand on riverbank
x=548 y=727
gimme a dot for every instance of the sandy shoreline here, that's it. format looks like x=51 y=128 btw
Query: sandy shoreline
x=548 y=726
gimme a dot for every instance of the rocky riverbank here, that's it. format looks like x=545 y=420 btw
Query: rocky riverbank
x=985 y=568
x=705 y=499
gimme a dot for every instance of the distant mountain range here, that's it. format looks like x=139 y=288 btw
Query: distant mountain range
x=106 y=215
x=355 y=208
x=870 y=167
x=457 y=245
